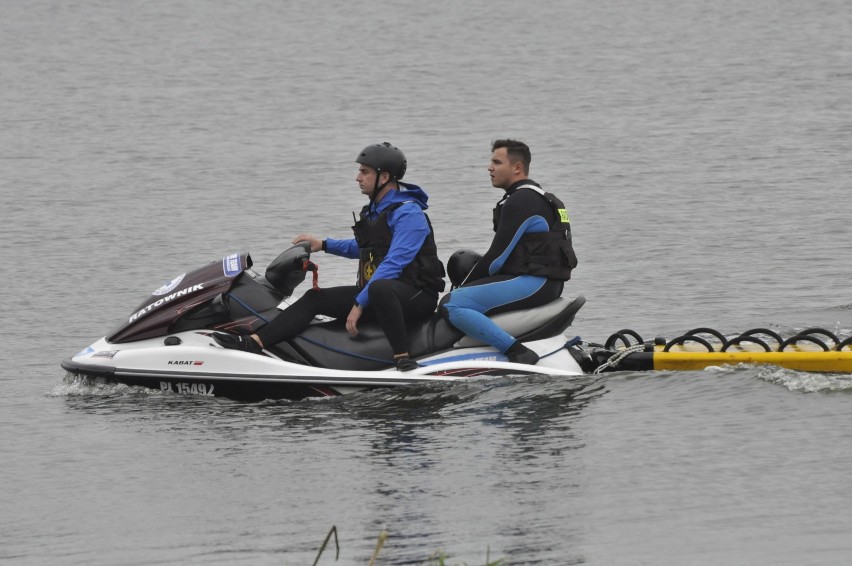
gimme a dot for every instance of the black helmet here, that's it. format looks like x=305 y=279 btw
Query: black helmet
x=460 y=264
x=384 y=157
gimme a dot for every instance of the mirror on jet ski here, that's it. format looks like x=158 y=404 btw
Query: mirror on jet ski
x=288 y=270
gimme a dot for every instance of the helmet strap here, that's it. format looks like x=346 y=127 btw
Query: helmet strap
x=379 y=188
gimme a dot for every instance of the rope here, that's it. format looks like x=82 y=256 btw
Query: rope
x=572 y=342
x=615 y=359
x=248 y=308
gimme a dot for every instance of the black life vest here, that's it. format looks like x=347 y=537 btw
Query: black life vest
x=545 y=254
x=374 y=239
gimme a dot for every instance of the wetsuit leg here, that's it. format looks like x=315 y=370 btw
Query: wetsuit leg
x=393 y=303
x=467 y=307
x=335 y=302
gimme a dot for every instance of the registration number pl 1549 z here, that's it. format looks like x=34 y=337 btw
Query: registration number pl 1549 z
x=187 y=388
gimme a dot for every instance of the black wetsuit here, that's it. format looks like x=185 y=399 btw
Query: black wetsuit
x=390 y=296
x=490 y=290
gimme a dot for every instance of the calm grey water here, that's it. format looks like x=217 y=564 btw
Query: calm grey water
x=704 y=153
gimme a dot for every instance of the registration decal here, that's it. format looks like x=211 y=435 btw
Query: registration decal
x=231 y=265
x=184 y=388
x=105 y=354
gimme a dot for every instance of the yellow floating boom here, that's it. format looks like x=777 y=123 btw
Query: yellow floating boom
x=816 y=361
x=812 y=350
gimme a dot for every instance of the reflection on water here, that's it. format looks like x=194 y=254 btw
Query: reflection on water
x=528 y=405
x=421 y=456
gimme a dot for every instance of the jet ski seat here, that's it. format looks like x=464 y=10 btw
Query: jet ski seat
x=526 y=325
x=328 y=345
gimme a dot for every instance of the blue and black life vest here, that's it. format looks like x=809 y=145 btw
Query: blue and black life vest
x=374 y=239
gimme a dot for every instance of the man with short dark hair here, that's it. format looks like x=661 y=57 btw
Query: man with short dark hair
x=529 y=259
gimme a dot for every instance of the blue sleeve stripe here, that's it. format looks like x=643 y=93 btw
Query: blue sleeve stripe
x=531 y=224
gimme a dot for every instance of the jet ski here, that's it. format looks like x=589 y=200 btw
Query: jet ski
x=166 y=342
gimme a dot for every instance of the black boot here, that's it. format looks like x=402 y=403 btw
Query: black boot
x=235 y=342
x=520 y=354
x=406 y=364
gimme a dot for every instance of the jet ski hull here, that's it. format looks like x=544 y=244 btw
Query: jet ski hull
x=196 y=366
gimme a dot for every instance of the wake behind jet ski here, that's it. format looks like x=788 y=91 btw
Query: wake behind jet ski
x=166 y=342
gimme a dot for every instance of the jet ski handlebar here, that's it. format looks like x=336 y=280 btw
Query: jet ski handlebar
x=288 y=270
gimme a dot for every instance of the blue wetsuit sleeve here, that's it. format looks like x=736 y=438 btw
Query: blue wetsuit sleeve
x=342 y=248
x=409 y=230
x=524 y=211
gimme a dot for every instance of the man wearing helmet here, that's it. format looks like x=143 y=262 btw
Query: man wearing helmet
x=399 y=273
x=527 y=263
